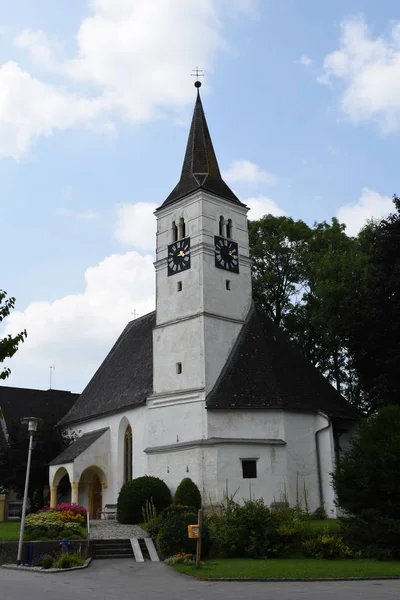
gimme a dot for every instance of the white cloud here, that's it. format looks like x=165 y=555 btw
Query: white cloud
x=370 y=205
x=30 y=108
x=76 y=332
x=79 y=215
x=368 y=72
x=136 y=225
x=133 y=60
x=245 y=171
x=305 y=60
x=262 y=205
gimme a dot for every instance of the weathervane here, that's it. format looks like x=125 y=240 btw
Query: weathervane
x=197 y=73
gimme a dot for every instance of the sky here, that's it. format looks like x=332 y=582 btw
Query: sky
x=302 y=99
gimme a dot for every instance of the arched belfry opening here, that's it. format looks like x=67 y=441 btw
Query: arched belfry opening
x=221 y=226
x=229 y=229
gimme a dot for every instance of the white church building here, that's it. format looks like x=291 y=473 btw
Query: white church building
x=206 y=386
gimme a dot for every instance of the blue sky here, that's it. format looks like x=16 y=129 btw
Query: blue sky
x=303 y=104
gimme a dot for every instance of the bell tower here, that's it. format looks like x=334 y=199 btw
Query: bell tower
x=203 y=271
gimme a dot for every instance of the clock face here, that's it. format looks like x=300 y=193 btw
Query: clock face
x=226 y=254
x=179 y=256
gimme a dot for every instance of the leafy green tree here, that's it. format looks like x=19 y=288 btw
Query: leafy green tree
x=9 y=344
x=367 y=487
x=373 y=332
x=278 y=248
x=366 y=477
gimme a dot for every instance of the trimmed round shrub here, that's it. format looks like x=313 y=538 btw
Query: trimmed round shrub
x=65 y=533
x=35 y=534
x=52 y=534
x=172 y=534
x=188 y=494
x=135 y=493
x=47 y=562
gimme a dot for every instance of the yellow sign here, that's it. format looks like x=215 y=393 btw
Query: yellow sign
x=194 y=531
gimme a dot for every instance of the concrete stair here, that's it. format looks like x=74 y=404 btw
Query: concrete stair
x=111 y=549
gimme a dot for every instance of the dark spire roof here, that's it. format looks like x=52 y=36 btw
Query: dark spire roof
x=200 y=167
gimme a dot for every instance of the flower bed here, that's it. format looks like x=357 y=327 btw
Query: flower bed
x=64 y=521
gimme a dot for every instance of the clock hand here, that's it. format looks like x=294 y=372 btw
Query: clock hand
x=181 y=253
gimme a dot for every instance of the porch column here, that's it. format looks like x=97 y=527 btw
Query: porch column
x=53 y=496
x=74 y=492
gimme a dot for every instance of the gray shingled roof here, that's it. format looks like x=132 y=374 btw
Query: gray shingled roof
x=49 y=405
x=200 y=167
x=124 y=379
x=76 y=448
x=265 y=370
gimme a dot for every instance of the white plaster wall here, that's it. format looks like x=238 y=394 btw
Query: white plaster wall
x=219 y=339
x=172 y=467
x=179 y=419
x=327 y=462
x=259 y=424
x=271 y=472
x=180 y=342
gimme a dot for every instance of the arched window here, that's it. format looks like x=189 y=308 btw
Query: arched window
x=174 y=231
x=182 y=228
x=221 y=226
x=229 y=229
x=128 y=454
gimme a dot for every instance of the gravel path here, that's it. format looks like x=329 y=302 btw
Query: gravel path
x=108 y=529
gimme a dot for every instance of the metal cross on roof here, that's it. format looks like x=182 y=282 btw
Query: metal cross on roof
x=197 y=73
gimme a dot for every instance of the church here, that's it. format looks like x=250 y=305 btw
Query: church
x=206 y=386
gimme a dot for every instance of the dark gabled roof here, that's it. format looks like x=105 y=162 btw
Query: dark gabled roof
x=77 y=447
x=200 y=166
x=265 y=370
x=124 y=379
x=49 y=405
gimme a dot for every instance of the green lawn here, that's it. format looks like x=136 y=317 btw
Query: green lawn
x=9 y=531
x=290 y=568
x=325 y=525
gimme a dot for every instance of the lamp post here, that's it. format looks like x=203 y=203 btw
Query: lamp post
x=32 y=427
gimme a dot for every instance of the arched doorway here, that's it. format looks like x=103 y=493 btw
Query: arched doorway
x=95 y=497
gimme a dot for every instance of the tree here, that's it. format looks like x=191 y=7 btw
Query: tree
x=366 y=478
x=302 y=278
x=9 y=344
x=373 y=333
x=278 y=246
x=367 y=486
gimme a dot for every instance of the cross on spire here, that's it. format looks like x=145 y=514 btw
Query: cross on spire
x=197 y=73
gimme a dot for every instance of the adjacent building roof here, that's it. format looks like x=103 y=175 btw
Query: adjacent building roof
x=124 y=379
x=200 y=167
x=76 y=448
x=16 y=403
x=265 y=370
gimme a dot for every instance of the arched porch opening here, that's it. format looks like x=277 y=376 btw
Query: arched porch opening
x=90 y=492
x=60 y=489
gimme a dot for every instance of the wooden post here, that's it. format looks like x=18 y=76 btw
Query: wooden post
x=198 y=549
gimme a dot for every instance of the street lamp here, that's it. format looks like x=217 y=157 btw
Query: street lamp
x=32 y=427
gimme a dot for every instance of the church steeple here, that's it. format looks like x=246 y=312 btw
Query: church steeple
x=200 y=166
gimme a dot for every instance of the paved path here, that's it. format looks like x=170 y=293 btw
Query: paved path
x=119 y=579
x=109 y=529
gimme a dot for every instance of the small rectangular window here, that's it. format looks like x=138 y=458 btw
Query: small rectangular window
x=228 y=284
x=179 y=368
x=179 y=286
x=249 y=468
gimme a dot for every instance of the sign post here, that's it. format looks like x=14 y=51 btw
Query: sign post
x=198 y=549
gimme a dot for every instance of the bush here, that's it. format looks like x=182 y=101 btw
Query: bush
x=319 y=514
x=366 y=484
x=172 y=531
x=47 y=562
x=52 y=534
x=188 y=494
x=248 y=531
x=373 y=536
x=134 y=494
x=35 y=534
x=327 y=546
x=291 y=520
x=66 y=561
